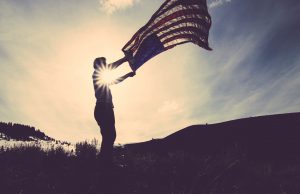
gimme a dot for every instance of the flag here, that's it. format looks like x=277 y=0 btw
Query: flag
x=175 y=22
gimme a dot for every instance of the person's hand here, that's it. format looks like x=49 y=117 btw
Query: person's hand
x=131 y=74
x=111 y=66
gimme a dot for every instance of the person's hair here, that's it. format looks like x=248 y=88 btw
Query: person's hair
x=99 y=62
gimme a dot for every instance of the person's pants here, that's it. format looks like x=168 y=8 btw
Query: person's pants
x=105 y=118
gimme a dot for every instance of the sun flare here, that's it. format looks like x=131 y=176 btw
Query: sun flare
x=106 y=76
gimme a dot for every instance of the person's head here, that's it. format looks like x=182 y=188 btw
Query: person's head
x=99 y=62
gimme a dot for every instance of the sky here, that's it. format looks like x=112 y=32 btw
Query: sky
x=47 y=49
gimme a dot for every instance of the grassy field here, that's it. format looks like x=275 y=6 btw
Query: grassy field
x=30 y=170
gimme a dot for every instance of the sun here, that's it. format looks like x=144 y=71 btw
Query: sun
x=106 y=76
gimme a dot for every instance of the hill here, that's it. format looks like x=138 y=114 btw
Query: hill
x=14 y=134
x=199 y=159
x=263 y=136
x=21 y=132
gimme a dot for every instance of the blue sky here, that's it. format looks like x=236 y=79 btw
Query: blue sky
x=47 y=47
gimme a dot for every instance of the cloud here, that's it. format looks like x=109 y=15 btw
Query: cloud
x=217 y=3
x=110 y=6
x=252 y=74
x=170 y=106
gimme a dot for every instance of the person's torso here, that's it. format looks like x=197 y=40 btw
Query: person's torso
x=102 y=91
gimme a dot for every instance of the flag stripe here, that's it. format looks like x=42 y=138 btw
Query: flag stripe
x=181 y=11
x=175 y=22
x=185 y=22
x=148 y=23
x=181 y=3
x=167 y=4
x=154 y=23
x=178 y=8
x=176 y=15
x=191 y=37
x=183 y=30
x=183 y=41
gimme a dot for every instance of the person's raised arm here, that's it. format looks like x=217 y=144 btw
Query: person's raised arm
x=120 y=79
x=117 y=63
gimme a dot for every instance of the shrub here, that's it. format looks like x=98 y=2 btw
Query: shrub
x=85 y=150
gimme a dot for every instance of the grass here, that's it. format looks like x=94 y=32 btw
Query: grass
x=30 y=169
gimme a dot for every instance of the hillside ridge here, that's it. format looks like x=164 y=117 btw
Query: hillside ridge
x=262 y=135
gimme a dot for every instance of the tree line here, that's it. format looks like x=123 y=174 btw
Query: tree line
x=21 y=132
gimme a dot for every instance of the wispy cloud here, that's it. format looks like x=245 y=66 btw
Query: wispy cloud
x=217 y=3
x=170 y=106
x=110 y=6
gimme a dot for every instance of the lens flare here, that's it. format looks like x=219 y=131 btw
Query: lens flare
x=106 y=76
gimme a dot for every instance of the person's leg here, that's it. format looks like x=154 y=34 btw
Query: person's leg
x=108 y=135
x=106 y=120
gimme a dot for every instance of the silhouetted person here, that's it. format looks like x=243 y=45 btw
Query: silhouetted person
x=104 y=113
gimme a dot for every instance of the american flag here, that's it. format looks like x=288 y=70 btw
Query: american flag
x=175 y=22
